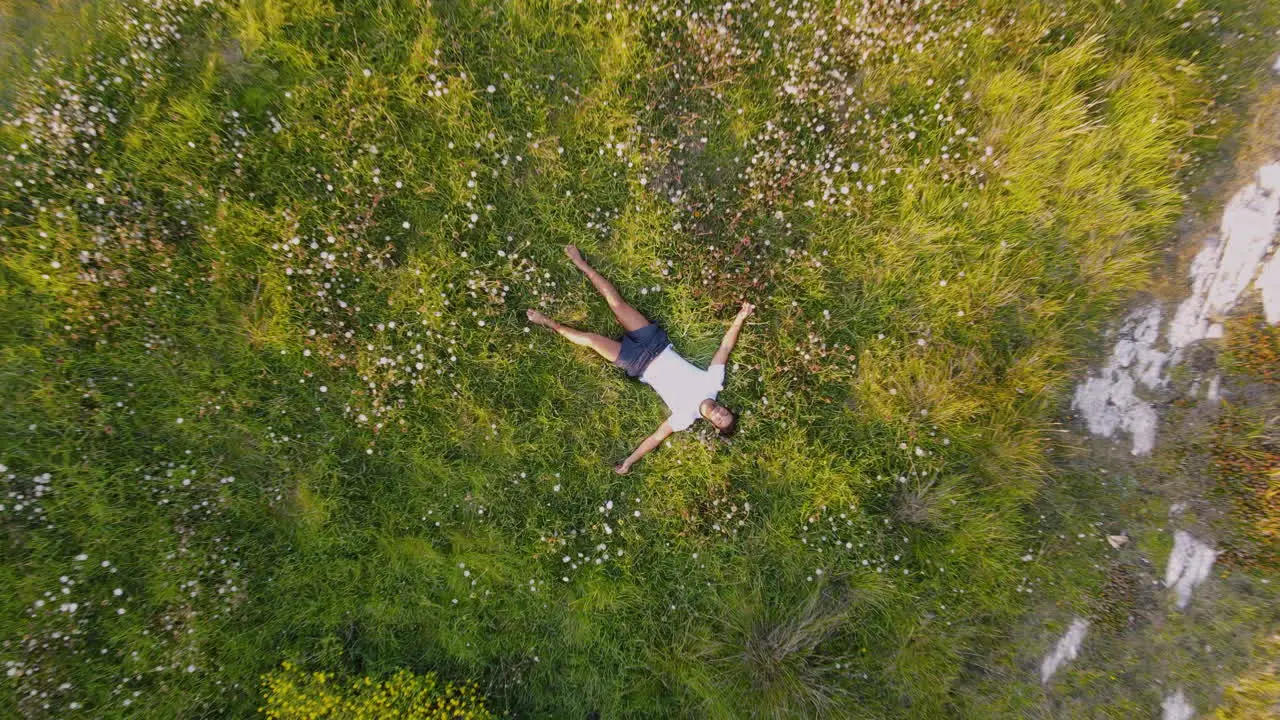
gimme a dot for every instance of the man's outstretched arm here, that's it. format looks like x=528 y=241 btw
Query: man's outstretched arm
x=731 y=337
x=645 y=448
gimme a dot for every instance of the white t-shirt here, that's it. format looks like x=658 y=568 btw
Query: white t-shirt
x=682 y=385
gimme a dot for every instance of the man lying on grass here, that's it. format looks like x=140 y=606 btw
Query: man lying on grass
x=645 y=352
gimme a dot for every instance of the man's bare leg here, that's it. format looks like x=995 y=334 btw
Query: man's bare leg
x=629 y=317
x=607 y=347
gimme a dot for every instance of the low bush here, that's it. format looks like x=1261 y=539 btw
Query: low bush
x=294 y=694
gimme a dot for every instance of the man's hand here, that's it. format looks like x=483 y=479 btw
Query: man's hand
x=622 y=468
x=745 y=312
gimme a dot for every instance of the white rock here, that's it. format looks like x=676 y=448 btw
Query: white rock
x=1189 y=565
x=1220 y=273
x=1108 y=401
x=1269 y=284
x=1176 y=707
x=1215 y=388
x=1066 y=650
x=1226 y=266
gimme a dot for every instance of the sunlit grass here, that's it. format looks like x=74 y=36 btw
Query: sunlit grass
x=280 y=379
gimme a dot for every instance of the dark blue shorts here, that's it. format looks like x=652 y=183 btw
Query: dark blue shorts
x=640 y=347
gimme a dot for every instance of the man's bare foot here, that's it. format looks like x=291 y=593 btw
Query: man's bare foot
x=574 y=254
x=538 y=318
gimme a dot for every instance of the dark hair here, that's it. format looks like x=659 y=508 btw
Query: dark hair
x=729 y=430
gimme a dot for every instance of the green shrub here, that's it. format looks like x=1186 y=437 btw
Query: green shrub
x=1253 y=348
x=1246 y=469
x=293 y=694
x=1256 y=694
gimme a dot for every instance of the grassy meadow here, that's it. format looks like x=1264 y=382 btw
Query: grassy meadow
x=268 y=393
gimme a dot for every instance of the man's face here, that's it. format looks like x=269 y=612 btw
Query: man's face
x=716 y=414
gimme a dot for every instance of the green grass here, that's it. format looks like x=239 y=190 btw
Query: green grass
x=217 y=365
